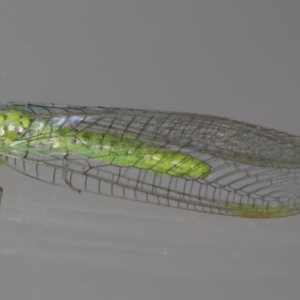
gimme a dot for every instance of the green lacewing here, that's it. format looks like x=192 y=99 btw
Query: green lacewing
x=189 y=161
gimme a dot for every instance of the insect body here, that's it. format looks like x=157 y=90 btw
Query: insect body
x=188 y=161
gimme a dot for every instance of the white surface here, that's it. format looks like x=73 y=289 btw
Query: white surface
x=237 y=59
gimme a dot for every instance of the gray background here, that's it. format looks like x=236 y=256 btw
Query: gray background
x=236 y=59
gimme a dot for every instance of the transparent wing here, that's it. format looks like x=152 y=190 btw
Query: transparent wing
x=254 y=171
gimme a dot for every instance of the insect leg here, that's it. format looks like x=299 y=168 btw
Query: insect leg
x=65 y=178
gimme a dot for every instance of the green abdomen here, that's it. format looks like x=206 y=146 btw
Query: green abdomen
x=127 y=151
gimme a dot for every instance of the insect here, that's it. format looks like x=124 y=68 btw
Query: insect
x=188 y=161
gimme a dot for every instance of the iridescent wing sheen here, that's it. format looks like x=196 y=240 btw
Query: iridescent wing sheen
x=255 y=172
